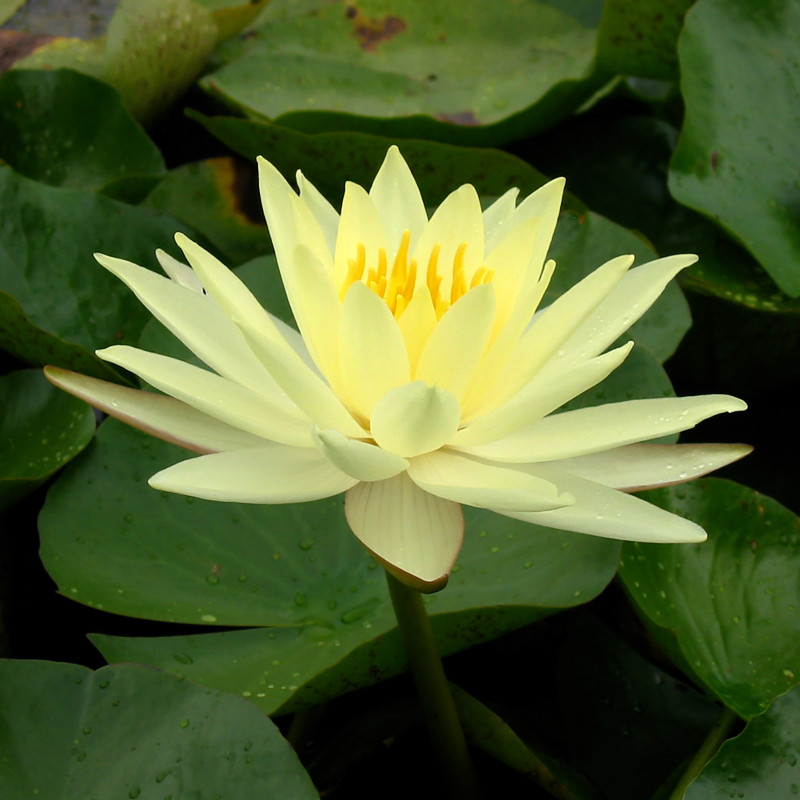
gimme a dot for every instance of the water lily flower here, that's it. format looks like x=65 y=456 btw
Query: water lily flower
x=423 y=374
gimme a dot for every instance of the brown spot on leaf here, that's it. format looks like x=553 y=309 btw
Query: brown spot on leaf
x=460 y=118
x=14 y=46
x=714 y=159
x=373 y=31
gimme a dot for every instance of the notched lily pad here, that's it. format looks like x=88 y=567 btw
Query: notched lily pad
x=475 y=73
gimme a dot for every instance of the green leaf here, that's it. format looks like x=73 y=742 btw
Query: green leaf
x=66 y=129
x=731 y=602
x=56 y=303
x=126 y=731
x=41 y=429
x=740 y=81
x=639 y=37
x=209 y=195
x=477 y=73
x=761 y=763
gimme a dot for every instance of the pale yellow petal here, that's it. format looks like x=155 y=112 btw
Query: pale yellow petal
x=416 y=325
x=590 y=430
x=372 y=352
x=360 y=224
x=179 y=272
x=414 y=418
x=540 y=397
x=273 y=474
x=396 y=196
x=276 y=200
x=361 y=460
x=496 y=214
x=263 y=415
x=414 y=535
x=156 y=414
x=604 y=512
x=635 y=467
x=456 y=345
x=326 y=215
x=465 y=480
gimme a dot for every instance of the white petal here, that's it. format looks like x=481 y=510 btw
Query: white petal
x=414 y=418
x=326 y=215
x=156 y=414
x=201 y=325
x=260 y=414
x=276 y=200
x=456 y=344
x=179 y=272
x=628 y=300
x=475 y=483
x=361 y=460
x=600 y=511
x=635 y=467
x=276 y=474
x=416 y=536
x=372 y=352
x=589 y=430
x=398 y=200
x=540 y=397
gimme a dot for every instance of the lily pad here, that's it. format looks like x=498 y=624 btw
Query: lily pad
x=761 y=762
x=128 y=731
x=477 y=73
x=56 y=304
x=731 y=602
x=740 y=81
x=66 y=129
x=41 y=429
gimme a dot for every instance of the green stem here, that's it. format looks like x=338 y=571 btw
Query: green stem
x=444 y=726
x=718 y=733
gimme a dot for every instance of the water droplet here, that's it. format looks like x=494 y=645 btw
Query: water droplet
x=104 y=684
x=208 y=618
x=184 y=723
x=134 y=793
x=87 y=731
x=247 y=746
x=736 y=619
x=301 y=599
x=161 y=777
x=128 y=518
x=787 y=673
x=241 y=578
x=360 y=611
x=183 y=658
x=212 y=579
x=305 y=544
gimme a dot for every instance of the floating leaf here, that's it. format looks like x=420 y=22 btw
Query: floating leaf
x=126 y=731
x=475 y=73
x=41 y=429
x=740 y=81
x=731 y=603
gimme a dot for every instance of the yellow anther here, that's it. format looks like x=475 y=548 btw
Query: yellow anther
x=355 y=269
x=478 y=277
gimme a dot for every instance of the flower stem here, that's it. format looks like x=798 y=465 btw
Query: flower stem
x=444 y=726
x=707 y=750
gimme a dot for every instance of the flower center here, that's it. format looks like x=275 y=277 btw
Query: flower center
x=396 y=285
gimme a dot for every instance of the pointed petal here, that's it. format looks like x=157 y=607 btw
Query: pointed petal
x=458 y=220
x=414 y=535
x=600 y=511
x=495 y=215
x=260 y=414
x=539 y=398
x=326 y=215
x=276 y=200
x=455 y=346
x=179 y=272
x=623 y=306
x=398 y=200
x=156 y=414
x=476 y=483
x=590 y=430
x=200 y=324
x=414 y=418
x=274 y=474
x=635 y=467
x=556 y=324
x=361 y=460
x=360 y=223
x=372 y=352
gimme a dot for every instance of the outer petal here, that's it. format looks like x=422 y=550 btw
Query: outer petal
x=276 y=200
x=361 y=460
x=201 y=325
x=590 y=430
x=414 y=418
x=495 y=216
x=373 y=357
x=179 y=272
x=415 y=535
x=475 y=483
x=455 y=346
x=273 y=474
x=600 y=511
x=628 y=300
x=541 y=396
x=259 y=414
x=156 y=414
x=635 y=467
x=398 y=200
x=326 y=215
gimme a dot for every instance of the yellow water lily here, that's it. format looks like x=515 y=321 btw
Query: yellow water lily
x=422 y=375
